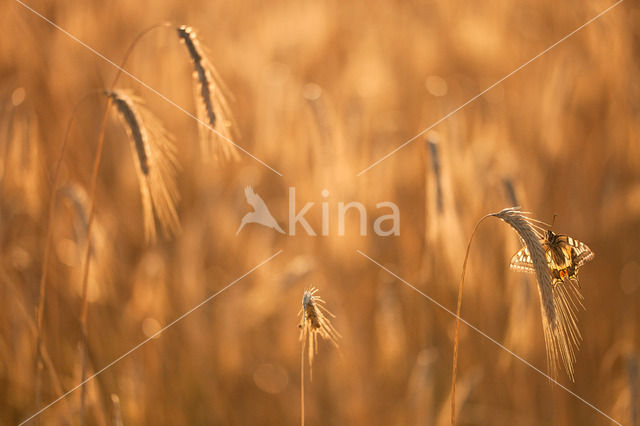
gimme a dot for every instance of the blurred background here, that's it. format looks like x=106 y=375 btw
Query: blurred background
x=319 y=91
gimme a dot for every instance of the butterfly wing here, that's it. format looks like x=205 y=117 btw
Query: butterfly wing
x=564 y=256
x=521 y=261
x=582 y=254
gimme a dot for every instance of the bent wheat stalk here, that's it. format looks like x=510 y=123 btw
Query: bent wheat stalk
x=557 y=303
x=458 y=310
x=92 y=193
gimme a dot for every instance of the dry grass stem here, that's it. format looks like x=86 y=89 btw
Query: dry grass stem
x=314 y=323
x=212 y=105
x=559 y=303
x=634 y=383
x=456 y=339
x=27 y=318
x=154 y=157
x=47 y=251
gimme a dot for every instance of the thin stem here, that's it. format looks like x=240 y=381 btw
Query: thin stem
x=459 y=308
x=47 y=253
x=87 y=251
x=302 y=383
x=46 y=359
x=87 y=254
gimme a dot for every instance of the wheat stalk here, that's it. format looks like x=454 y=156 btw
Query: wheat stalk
x=47 y=250
x=45 y=359
x=212 y=106
x=314 y=323
x=454 y=369
x=92 y=198
x=154 y=157
x=632 y=378
x=558 y=303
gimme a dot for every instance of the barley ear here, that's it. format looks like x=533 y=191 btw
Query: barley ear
x=213 y=110
x=531 y=238
x=559 y=303
x=155 y=162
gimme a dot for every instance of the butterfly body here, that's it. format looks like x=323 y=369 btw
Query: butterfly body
x=564 y=256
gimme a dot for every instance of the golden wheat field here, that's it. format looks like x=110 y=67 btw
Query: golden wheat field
x=157 y=258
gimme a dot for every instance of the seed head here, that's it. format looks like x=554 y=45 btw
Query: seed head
x=314 y=323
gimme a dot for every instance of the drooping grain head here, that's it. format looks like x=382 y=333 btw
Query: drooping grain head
x=531 y=239
x=154 y=157
x=559 y=303
x=212 y=107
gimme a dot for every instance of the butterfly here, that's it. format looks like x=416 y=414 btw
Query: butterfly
x=564 y=256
